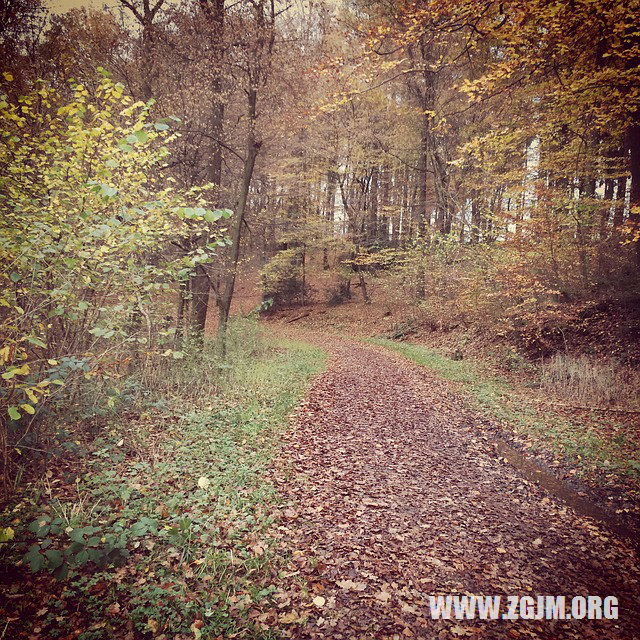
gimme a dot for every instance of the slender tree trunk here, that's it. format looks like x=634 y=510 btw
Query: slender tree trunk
x=634 y=195
x=422 y=204
x=372 y=227
x=621 y=199
x=476 y=220
x=605 y=214
x=633 y=143
x=253 y=147
x=383 y=227
x=329 y=209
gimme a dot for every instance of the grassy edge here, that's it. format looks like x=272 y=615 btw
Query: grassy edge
x=498 y=400
x=185 y=510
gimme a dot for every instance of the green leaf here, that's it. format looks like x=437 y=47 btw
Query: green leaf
x=161 y=126
x=212 y=216
x=54 y=557
x=141 y=136
x=14 y=276
x=35 y=559
x=77 y=535
x=108 y=191
x=14 y=414
x=125 y=146
x=62 y=572
x=36 y=524
x=82 y=557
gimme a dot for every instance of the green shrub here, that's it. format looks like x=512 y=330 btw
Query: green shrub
x=283 y=279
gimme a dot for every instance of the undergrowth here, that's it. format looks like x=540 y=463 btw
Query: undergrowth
x=499 y=400
x=162 y=525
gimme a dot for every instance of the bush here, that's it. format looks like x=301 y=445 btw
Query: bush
x=283 y=279
x=87 y=264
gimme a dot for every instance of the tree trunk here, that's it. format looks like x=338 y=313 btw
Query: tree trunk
x=476 y=219
x=383 y=227
x=633 y=143
x=224 y=304
x=422 y=203
x=634 y=196
x=621 y=199
x=200 y=284
x=372 y=227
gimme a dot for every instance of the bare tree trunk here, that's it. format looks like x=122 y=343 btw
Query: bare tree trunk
x=372 y=227
x=633 y=143
x=253 y=147
x=603 y=231
x=183 y=292
x=476 y=219
x=583 y=230
x=145 y=14
x=621 y=198
x=383 y=227
x=422 y=202
x=329 y=209
x=633 y=137
x=200 y=284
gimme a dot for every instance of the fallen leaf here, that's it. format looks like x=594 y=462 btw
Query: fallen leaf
x=350 y=585
x=382 y=596
x=204 y=482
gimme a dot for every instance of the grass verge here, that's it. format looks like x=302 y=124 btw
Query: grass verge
x=162 y=528
x=574 y=441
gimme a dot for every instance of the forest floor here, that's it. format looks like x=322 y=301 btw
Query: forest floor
x=593 y=449
x=388 y=487
x=398 y=493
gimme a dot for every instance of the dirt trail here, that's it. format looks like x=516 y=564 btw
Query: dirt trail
x=401 y=496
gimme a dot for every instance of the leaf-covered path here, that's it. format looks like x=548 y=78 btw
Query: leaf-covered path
x=400 y=496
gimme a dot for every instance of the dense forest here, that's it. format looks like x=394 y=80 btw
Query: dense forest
x=173 y=171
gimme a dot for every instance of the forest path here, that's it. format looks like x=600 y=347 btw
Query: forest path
x=401 y=496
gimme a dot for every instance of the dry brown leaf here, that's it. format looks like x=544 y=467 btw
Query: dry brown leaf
x=382 y=596
x=350 y=585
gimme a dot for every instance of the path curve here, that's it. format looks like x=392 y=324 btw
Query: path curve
x=400 y=496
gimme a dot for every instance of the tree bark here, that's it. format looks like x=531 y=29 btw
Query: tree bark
x=253 y=147
x=200 y=284
x=634 y=195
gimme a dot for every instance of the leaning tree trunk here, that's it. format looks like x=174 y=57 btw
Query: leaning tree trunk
x=224 y=303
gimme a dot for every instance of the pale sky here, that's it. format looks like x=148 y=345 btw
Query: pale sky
x=60 y=6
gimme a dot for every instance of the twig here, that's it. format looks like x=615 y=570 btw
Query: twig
x=304 y=315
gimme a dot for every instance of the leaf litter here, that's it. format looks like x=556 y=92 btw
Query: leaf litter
x=394 y=494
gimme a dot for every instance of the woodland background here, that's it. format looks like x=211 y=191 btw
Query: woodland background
x=480 y=161
x=463 y=172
